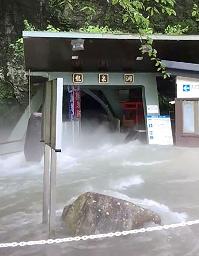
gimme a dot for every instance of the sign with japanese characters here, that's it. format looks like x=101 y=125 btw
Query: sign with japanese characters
x=77 y=102
x=74 y=102
x=159 y=130
x=187 y=87
x=78 y=78
x=103 y=78
x=152 y=109
x=128 y=78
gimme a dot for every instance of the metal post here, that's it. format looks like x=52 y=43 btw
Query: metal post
x=52 y=134
x=46 y=184
x=73 y=131
x=52 y=212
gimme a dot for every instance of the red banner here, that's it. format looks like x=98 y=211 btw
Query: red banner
x=77 y=102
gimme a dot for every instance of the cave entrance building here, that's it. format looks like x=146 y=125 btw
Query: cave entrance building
x=117 y=80
x=110 y=77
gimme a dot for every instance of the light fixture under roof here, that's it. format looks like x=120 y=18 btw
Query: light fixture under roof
x=75 y=57
x=77 y=44
x=139 y=58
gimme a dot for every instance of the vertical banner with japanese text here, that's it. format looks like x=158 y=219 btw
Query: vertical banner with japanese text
x=74 y=103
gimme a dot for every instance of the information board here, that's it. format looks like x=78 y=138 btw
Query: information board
x=159 y=130
x=52 y=121
x=152 y=109
x=187 y=87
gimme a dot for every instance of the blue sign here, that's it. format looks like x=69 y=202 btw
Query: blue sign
x=186 y=88
x=71 y=113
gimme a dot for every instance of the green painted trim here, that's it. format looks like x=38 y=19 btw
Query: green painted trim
x=148 y=80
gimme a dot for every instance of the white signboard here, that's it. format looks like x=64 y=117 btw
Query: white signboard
x=52 y=124
x=159 y=130
x=152 y=109
x=187 y=87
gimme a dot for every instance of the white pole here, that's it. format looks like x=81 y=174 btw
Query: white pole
x=52 y=212
x=73 y=131
x=46 y=184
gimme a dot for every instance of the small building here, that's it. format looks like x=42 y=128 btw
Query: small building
x=116 y=79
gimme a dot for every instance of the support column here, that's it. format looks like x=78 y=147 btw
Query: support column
x=52 y=210
x=46 y=184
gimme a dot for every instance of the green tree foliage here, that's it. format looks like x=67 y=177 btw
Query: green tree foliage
x=183 y=17
x=13 y=81
x=195 y=12
x=105 y=16
x=16 y=83
x=74 y=14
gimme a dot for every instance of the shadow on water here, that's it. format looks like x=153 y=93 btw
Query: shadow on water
x=164 y=179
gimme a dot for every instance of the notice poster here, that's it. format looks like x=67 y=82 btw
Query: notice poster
x=159 y=130
x=77 y=102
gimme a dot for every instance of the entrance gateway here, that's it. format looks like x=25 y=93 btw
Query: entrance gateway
x=109 y=69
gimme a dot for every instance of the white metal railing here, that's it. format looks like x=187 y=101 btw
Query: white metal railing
x=99 y=236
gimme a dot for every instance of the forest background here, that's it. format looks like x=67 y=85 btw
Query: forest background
x=113 y=16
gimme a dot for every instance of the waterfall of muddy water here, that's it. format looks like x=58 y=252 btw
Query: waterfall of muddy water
x=164 y=179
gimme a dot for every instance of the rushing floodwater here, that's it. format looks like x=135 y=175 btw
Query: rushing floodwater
x=164 y=179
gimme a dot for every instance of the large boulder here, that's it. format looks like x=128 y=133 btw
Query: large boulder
x=93 y=213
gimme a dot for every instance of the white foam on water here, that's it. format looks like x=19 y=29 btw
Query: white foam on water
x=124 y=183
x=182 y=181
x=167 y=215
x=129 y=163
x=67 y=162
x=98 y=167
x=15 y=164
x=10 y=162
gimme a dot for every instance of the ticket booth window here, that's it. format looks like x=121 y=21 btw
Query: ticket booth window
x=191 y=117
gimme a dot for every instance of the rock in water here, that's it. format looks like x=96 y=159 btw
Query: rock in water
x=93 y=213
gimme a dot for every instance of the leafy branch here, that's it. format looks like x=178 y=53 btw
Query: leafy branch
x=139 y=13
x=176 y=29
x=195 y=12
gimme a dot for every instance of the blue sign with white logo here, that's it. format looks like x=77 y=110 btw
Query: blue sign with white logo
x=186 y=87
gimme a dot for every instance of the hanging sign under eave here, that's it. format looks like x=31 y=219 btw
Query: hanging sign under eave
x=78 y=78
x=102 y=78
x=74 y=102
